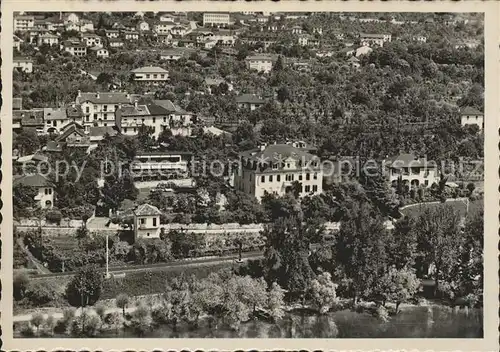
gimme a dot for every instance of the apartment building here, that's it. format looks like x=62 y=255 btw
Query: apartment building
x=160 y=165
x=92 y=40
x=160 y=116
x=275 y=169
x=75 y=48
x=216 y=19
x=98 y=108
x=48 y=38
x=23 y=22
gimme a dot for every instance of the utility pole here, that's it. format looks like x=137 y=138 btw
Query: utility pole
x=107 y=257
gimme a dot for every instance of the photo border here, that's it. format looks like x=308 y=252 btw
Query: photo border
x=489 y=342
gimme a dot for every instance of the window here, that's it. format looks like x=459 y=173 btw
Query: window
x=148 y=75
x=87 y=110
x=105 y=124
x=95 y=107
x=308 y=177
x=105 y=116
x=288 y=165
x=263 y=179
x=164 y=119
x=87 y=118
x=308 y=188
x=315 y=176
x=426 y=182
x=315 y=188
x=274 y=166
x=270 y=178
x=154 y=221
x=104 y=108
x=154 y=75
x=143 y=221
x=154 y=119
x=125 y=130
x=300 y=177
x=278 y=178
x=46 y=191
x=95 y=116
x=135 y=129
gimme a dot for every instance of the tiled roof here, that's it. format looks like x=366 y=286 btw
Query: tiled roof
x=74 y=111
x=98 y=131
x=278 y=152
x=29 y=117
x=260 y=57
x=408 y=160
x=104 y=98
x=150 y=69
x=35 y=180
x=249 y=99
x=132 y=110
x=70 y=130
x=470 y=111
x=54 y=114
x=147 y=210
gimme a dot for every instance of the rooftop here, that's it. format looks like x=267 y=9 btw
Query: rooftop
x=249 y=99
x=150 y=69
x=54 y=114
x=470 y=111
x=34 y=180
x=104 y=98
x=147 y=210
x=277 y=153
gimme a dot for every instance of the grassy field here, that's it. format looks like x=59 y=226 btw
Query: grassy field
x=474 y=207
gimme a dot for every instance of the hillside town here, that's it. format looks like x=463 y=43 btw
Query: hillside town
x=189 y=174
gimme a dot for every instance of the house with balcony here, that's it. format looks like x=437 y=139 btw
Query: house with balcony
x=91 y=40
x=472 y=116
x=23 y=64
x=48 y=38
x=160 y=115
x=98 y=108
x=412 y=170
x=249 y=101
x=112 y=33
x=75 y=48
x=369 y=39
x=146 y=222
x=99 y=52
x=276 y=168
x=160 y=166
x=44 y=189
x=150 y=74
x=130 y=35
x=261 y=63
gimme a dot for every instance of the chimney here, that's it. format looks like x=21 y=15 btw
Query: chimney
x=97 y=95
x=79 y=93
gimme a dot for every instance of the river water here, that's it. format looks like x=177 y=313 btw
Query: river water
x=415 y=322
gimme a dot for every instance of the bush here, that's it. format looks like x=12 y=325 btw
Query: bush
x=41 y=292
x=86 y=325
x=65 y=323
x=382 y=314
x=21 y=282
x=37 y=320
x=54 y=216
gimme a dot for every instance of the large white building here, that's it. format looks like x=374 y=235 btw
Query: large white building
x=261 y=63
x=216 y=19
x=23 y=22
x=92 y=40
x=471 y=116
x=378 y=39
x=412 y=170
x=99 y=108
x=275 y=168
x=150 y=74
x=160 y=165
x=160 y=116
x=23 y=64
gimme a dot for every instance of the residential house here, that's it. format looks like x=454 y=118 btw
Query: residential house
x=48 y=38
x=171 y=54
x=470 y=44
x=44 y=189
x=98 y=108
x=143 y=26
x=412 y=170
x=224 y=38
x=112 y=33
x=318 y=30
x=55 y=119
x=23 y=64
x=75 y=48
x=116 y=43
x=275 y=168
x=150 y=74
x=72 y=136
x=178 y=30
x=307 y=40
x=166 y=17
x=35 y=33
x=86 y=26
x=472 y=116
x=165 y=38
x=420 y=38
x=163 y=27
x=99 y=52
x=147 y=222
x=216 y=19
x=354 y=62
x=30 y=119
x=72 y=18
x=261 y=63
x=92 y=40
x=17 y=42
x=296 y=30
x=159 y=115
x=369 y=39
x=98 y=133
x=215 y=82
x=130 y=35
x=23 y=22
x=249 y=101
